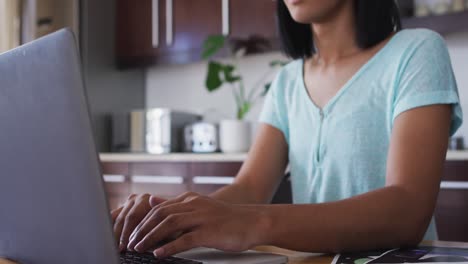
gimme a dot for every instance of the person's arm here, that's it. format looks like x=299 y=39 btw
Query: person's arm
x=393 y=216
x=262 y=171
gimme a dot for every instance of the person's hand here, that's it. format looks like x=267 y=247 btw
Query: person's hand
x=128 y=216
x=200 y=222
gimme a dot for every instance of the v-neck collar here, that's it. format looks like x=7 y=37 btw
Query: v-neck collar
x=326 y=108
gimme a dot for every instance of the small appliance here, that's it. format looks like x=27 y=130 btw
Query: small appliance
x=155 y=131
x=201 y=137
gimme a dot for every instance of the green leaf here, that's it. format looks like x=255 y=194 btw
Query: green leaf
x=213 y=79
x=229 y=74
x=278 y=63
x=266 y=89
x=212 y=45
x=243 y=110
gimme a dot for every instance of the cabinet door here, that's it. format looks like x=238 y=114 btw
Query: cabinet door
x=451 y=211
x=192 y=21
x=138 y=31
x=249 y=18
x=133 y=23
x=116 y=182
x=452 y=214
x=164 y=31
x=207 y=177
x=164 y=179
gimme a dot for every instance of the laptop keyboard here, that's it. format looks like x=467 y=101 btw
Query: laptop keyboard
x=138 y=258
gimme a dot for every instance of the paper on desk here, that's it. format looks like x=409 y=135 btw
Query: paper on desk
x=411 y=255
x=359 y=257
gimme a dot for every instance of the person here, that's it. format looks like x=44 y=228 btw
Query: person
x=362 y=115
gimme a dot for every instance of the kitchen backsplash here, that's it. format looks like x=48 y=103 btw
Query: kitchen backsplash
x=181 y=87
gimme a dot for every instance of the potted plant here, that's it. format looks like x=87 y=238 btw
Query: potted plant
x=235 y=134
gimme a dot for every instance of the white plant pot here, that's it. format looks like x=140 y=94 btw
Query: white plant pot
x=234 y=136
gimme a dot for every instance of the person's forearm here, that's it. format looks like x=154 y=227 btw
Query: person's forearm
x=236 y=194
x=384 y=218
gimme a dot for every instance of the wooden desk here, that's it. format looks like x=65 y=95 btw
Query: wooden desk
x=309 y=258
x=3 y=261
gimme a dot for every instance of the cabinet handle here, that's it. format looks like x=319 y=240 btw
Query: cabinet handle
x=155 y=23
x=225 y=7
x=157 y=179
x=222 y=180
x=169 y=23
x=113 y=178
x=454 y=185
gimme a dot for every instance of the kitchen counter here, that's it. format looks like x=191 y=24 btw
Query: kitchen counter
x=173 y=157
x=212 y=157
x=457 y=155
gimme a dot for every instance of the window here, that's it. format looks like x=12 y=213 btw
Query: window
x=9 y=24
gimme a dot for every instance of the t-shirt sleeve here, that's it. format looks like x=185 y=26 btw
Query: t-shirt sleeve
x=274 y=110
x=428 y=79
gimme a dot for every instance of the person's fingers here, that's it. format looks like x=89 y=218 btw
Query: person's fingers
x=143 y=221
x=148 y=216
x=154 y=201
x=115 y=213
x=174 y=224
x=154 y=207
x=133 y=218
x=155 y=218
x=183 y=243
x=120 y=220
x=148 y=223
x=178 y=199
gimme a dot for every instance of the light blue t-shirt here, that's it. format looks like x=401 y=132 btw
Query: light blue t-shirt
x=340 y=151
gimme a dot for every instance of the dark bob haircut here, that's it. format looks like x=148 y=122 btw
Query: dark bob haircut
x=375 y=21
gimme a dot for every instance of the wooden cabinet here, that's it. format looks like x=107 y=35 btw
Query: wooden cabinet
x=164 y=31
x=165 y=179
x=173 y=31
x=192 y=22
x=207 y=177
x=134 y=37
x=452 y=204
x=247 y=18
x=169 y=179
x=117 y=186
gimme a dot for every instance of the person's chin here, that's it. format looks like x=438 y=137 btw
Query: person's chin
x=301 y=18
x=311 y=19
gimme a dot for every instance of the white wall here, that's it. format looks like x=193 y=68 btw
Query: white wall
x=109 y=90
x=182 y=87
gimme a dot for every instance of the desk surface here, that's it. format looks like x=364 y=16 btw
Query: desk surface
x=309 y=258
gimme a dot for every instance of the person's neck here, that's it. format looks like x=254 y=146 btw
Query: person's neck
x=335 y=39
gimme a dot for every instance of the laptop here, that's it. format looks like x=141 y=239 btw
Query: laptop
x=54 y=209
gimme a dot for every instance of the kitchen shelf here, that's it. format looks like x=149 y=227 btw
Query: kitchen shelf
x=452 y=155
x=172 y=157
x=443 y=24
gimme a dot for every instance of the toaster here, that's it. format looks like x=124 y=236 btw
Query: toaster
x=201 y=137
